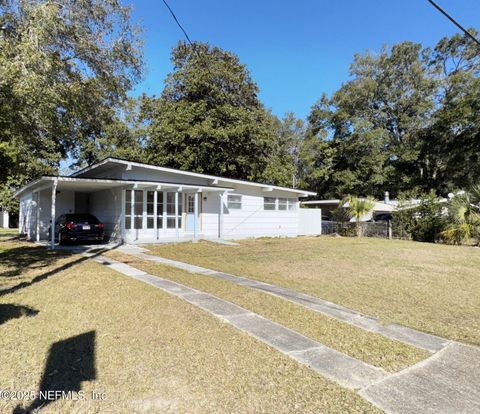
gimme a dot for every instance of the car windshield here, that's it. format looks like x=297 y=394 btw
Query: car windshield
x=81 y=218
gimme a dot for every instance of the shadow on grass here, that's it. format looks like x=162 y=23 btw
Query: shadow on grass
x=69 y=362
x=50 y=273
x=22 y=258
x=11 y=311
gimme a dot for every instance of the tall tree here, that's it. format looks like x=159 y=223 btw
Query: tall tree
x=209 y=118
x=65 y=69
x=451 y=143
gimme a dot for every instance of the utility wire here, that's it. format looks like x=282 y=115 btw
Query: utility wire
x=454 y=22
x=178 y=23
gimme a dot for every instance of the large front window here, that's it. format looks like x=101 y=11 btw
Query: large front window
x=144 y=209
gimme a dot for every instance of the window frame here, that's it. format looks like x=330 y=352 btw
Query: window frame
x=234 y=205
x=269 y=203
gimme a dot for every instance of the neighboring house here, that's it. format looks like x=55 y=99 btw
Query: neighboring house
x=4 y=218
x=146 y=204
x=381 y=210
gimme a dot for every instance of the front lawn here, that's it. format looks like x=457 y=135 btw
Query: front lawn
x=429 y=287
x=84 y=327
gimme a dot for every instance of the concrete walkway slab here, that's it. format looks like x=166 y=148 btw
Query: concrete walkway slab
x=214 y=305
x=332 y=364
x=278 y=336
x=400 y=333
x=447 y=383
x=347 y=371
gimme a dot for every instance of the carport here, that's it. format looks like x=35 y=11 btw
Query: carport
x=143 y=210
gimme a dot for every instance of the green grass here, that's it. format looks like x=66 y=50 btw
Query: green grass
x=429 y=287
x=371 y=348
x=147 y=350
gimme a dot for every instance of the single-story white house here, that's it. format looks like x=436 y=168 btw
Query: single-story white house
x=142 y=203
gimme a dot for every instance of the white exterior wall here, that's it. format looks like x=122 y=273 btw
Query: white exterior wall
x=26 y=217
x=310 y=221
x=107 y=207
x=253 y=221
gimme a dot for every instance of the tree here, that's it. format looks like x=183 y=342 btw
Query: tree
x=209 y=119
x=451 y=143
x=373 y=121
x=357 y=208
x=65 y=69
x=463 y=217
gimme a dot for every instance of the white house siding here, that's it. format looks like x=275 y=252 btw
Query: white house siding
x=209 y=219
x=253 y=221
x=26 y=215
x=106 y=205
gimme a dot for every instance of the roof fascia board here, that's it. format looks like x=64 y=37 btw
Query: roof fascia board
x=215 y=179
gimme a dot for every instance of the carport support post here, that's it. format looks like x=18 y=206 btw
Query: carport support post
x=195 y=218
x=37 y=212
x=52 y=219
x=176 y=215
x=220 y=218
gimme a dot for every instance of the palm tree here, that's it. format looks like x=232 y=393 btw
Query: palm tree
x=358 y=208
x=463 y=217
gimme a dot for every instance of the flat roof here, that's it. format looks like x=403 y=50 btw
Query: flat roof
x=189 y=173
x=96 y=184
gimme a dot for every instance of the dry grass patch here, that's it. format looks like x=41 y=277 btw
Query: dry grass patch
x=429 y=287
x=23 y=263
x=367 y=346
x=95 y=329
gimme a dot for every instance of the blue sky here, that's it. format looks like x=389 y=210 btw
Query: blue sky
x=295 y=50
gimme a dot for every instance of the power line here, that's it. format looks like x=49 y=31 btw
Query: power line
x=454 y=22
x=178 y=23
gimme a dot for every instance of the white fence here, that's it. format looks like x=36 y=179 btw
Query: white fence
x=309 y=221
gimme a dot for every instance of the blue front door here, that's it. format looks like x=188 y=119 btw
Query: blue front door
x=190 y=212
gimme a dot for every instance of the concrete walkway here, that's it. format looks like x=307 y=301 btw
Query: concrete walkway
x=393 y=331
x=446 y=383
x=341 y=368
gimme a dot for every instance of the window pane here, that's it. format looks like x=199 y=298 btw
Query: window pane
x=138 y=222
x=282 y=203
x=237 y=198
x=128 y=196
x=269 y=203
x=149 y=208
x=180 y=221
x=159 y=222
x=138 y=209
x=150 y=196
x=190 y=203
x=180 y=203
x=170 y=197
x=292 y=204
x=128 y=207
x=234 y=202
x=138 y=196
x=170 y=222
x=149 y=222
x=128 y=222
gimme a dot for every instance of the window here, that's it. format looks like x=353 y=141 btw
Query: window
x=138 y=209
x=150 y=209
x=128 y=209
x=269 y=203
x=171 y=210
x=159 y=209
x=234 y=202
x=292 y=204
x=282 y=203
